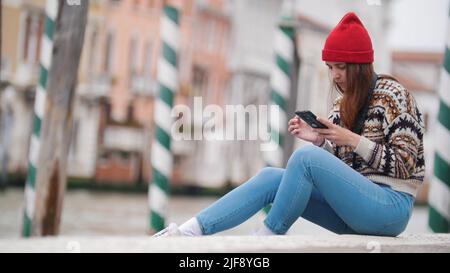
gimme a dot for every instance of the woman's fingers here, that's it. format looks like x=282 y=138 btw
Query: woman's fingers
x=326 y=133
x=331 y=137
x=292 y=127
x=326 y=122
x=293 y=121
x=323 y=131
x=302 y=123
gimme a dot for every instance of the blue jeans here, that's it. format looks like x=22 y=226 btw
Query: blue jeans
x=319 y=187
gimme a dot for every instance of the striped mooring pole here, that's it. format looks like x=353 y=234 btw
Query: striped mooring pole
x=52 y=7
x=161 y=155
x=439 y=195
x=280 y=83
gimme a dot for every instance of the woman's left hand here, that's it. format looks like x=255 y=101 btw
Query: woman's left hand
x=337 y=134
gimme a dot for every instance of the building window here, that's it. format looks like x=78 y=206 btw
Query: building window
x=151 y=4
x=211 y=36
x=426 y=119
x=116 y=2
x=136 y=4
x=133 y=57
x=92 y=62
x=200 y=82
x=109 y=53
x=148 y=59
x=34 y=28
x=74 y=141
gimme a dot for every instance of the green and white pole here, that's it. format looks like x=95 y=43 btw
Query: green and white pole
x=280 y=82
x=161 y=155
x=439 y=195
x=52 y=7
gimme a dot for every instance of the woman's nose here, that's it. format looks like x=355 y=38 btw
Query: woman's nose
x=336 y=76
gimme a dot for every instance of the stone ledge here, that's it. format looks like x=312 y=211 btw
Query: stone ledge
x=225 y=244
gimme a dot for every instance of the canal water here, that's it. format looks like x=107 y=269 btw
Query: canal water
x=87 y=213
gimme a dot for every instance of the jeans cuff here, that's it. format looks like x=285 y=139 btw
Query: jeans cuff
x=277 y=229
x=202 y=226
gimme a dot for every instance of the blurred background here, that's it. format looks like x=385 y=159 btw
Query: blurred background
x=226 y=54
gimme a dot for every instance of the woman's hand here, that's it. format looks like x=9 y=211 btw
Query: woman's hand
x=337 y=134
x=302 y=130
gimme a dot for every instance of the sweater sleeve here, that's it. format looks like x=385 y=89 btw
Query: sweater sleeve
x=397 y=157
x=327 y=146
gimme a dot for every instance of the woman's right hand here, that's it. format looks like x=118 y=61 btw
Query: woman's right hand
x=300 y=129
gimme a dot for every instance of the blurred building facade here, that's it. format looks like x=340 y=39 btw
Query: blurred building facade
x=124 y=59
x=22 y=28
x=225 y=57
x=113 y=109
x=205 y=74
x=251 y=61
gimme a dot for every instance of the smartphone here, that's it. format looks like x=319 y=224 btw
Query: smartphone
x=311 y=119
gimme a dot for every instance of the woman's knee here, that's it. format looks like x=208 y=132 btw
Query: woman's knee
x=309 y=152
x=271 y=172
x=267 y=178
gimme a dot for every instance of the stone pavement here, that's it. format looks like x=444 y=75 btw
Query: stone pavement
x=229 y=244
x=114 y=222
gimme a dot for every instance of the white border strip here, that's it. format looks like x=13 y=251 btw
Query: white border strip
x=162 y=160
x=442 y=136
x=280 y=82
x=46 y=53
x=444 y=87
x=163 y=117
x=158 y=200
x=39 y=104
x=35 y=146
x=439 y=197
x=284 y=46
x=167 y=75
x=170 y=33
x=52 y=9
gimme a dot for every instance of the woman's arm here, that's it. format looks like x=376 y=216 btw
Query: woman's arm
x=398 y=156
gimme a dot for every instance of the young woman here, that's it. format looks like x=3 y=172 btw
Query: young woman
x=362 y=173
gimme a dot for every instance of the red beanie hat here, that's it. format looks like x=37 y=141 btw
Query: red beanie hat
x=348 y=42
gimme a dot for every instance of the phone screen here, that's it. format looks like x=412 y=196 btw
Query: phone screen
x=311 y=119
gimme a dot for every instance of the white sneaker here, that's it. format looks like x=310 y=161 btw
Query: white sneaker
x=171 y=230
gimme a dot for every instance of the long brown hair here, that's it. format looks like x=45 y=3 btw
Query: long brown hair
x=359 y=79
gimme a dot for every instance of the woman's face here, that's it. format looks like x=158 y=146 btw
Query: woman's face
x=338 y=72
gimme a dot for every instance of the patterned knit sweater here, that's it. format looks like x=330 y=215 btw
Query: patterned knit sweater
x=390 y=150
